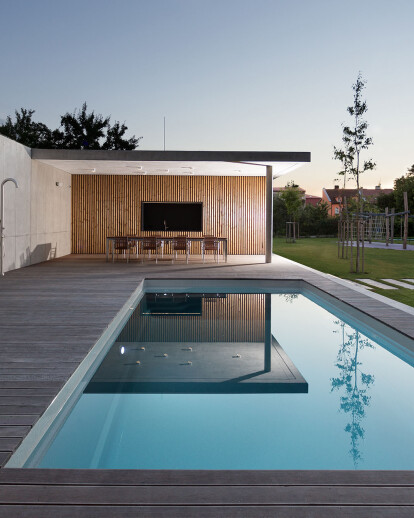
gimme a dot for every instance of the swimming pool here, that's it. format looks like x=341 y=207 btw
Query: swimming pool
x=225 y=376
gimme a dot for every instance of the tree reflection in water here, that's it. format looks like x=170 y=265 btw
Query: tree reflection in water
x=289 y=297
x=354 y=383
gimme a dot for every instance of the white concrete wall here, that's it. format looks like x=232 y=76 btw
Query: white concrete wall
x=50 y=234
x=37 y=214
x=15 y=162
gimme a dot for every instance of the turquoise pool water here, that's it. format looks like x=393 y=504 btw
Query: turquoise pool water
x=242 y=381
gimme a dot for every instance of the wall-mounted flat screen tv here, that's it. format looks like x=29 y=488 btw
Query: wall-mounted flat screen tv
x=172 y=217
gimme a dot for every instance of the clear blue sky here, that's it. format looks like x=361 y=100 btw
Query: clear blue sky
x=227 y=74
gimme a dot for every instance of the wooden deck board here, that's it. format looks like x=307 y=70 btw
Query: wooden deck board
x=61 y=511
x=128 y=477
x=14 y=431
x=206 y=495
x=51 y=315
x=17 y=420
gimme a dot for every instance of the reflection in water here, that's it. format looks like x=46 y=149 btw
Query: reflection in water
x=354 y=383
x=198 y=343
x=204 y=421
x=289 y=297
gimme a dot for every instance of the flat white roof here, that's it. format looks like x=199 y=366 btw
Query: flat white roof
x=186 y=163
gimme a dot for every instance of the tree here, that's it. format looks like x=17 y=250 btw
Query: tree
x=280 y=216
x=82 y=130
x=79 y=130
x=292 y=198
x=293 y=201
x=115 y=140
x=386 y=200
x=355 y=140
x=315 y=221
x=401 y=185
x=404 y=184
x=355 y=385
x=25 y=130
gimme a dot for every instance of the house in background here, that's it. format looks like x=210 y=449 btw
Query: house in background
x=307 y=199
x=310 y=199
x=334 y=197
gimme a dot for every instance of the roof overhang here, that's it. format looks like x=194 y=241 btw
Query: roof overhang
x=205 y=163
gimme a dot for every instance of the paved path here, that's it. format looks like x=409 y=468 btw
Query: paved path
x=391 y=246
x=401 y=284
x=377 y=284
x=52 y=314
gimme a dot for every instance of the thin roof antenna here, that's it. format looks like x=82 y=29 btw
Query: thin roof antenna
x=164 y=132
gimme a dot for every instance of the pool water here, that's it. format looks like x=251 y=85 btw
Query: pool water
x=242 y=381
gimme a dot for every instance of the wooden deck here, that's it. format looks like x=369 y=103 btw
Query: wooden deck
x=52 y=314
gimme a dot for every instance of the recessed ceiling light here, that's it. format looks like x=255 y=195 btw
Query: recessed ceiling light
x=87 y=169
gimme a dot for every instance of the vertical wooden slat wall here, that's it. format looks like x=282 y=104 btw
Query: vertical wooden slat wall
x=236 y=318
x=110 y=205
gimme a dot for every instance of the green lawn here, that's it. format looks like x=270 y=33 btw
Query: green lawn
x=322 y=254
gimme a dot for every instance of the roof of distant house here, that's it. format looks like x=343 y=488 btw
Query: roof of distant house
x=310 y=199
x=376 y=192
x=334 y=195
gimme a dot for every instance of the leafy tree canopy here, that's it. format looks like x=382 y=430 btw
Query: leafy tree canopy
x=25 y=130
x=78 y=130
x=386 y=200
x=404 y=184
x=292 y=197
x=313 y=220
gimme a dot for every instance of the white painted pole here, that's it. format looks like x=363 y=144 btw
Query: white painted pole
x=269 y=213
x=3 y=183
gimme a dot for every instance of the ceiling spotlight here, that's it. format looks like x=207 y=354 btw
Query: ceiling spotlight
x=86 y=169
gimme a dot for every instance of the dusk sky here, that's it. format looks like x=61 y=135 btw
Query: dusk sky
x=272 y=75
